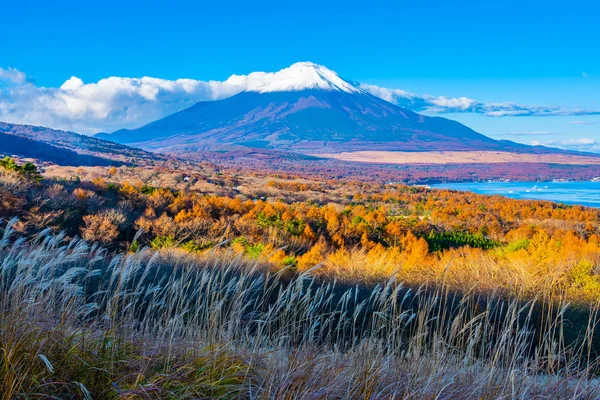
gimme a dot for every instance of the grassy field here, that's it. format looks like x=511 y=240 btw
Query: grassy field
x=154 y=283
x=78 y=322
x=459 y=157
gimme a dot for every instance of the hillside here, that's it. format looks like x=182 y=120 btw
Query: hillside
x=232 y=286
x=28 y=148
x=66 y=148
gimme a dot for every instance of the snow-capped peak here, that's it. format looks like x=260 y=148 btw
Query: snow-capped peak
x=298 y=76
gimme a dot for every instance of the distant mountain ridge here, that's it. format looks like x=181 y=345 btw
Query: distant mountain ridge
x=65 y=148
x=306 y=108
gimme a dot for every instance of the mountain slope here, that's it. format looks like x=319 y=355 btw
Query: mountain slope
x=306 y=108
x=65 y=148
x=11 y=145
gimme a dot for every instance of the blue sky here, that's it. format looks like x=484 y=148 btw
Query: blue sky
x=542 y=53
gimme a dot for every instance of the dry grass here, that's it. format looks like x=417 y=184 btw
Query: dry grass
x=458 y=157
x=77 y=322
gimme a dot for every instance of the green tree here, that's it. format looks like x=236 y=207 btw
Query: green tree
x=31 y=172
x=9 y=164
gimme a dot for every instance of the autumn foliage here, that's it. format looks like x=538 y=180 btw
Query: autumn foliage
x=354 y=232
x=168 y=282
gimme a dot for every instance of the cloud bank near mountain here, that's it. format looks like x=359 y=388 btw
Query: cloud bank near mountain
x=443 y=104
x=120 y=102
x=581 y=144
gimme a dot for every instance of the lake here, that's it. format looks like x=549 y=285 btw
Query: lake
x=584 y=193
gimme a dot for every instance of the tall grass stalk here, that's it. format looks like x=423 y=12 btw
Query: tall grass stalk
x=78 y=321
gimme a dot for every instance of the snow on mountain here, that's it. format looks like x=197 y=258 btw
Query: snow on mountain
x=305 y=108
x=298 y=76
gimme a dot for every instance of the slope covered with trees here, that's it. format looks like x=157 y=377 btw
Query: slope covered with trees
x=358 y=232
x=66 y=148
x=191 y=282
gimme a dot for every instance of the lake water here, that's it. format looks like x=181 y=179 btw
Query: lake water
x=584 y=193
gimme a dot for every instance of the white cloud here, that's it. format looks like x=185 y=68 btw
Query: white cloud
x=442 y=104
x=119 y=102
x=583 y=122
x=536 y=133
x=391 y=95
x=577 y=142
x=581 y=144
x=461 y=103
x=106 y=105
x=12 y=75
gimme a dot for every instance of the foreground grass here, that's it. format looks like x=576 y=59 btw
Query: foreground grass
x=76 y=322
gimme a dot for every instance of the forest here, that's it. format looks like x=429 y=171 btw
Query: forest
x=191 y=281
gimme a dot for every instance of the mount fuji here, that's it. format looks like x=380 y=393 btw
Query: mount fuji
x=305 y=108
